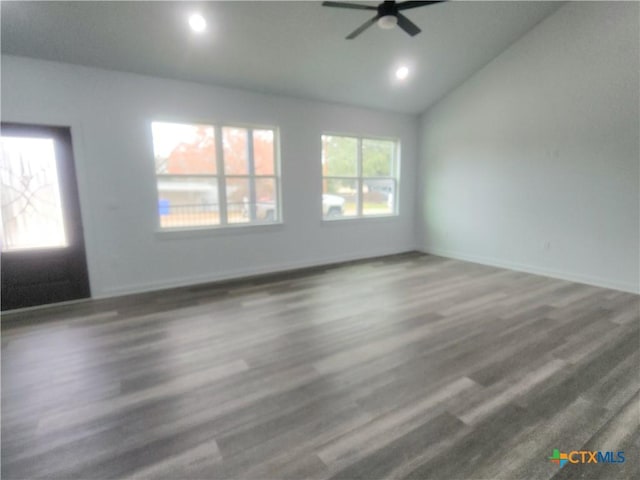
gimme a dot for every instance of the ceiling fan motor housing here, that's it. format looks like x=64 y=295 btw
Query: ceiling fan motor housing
x=387 y=8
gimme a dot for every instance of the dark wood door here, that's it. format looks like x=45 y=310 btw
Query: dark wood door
x=43 y=254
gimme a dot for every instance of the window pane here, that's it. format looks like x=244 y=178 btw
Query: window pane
x=378 y=196
x=339 y=197
x=339 y=156
x=263 y=152
x=377 y=158
x=235 y=146
x=31 y=206
x=184 y=149
x=187 y=201
x=238 y=199
x=266 y=200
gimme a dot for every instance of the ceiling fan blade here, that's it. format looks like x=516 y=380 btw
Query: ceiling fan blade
x=407 y=5
x=348 y=5
x=363 y=27
x=407 y=25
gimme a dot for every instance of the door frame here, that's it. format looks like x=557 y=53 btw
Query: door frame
x=70 y=200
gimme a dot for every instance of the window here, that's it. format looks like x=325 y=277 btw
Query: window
x=32 y=213
x=359 y=177
x=215 y=175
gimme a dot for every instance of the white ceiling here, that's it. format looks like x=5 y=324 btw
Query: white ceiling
x=291 y=48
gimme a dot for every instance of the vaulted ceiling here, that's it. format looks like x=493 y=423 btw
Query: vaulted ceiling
x=290 y=48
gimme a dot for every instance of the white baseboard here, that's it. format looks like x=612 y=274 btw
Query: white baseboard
x=572 y=277
x=240 y=273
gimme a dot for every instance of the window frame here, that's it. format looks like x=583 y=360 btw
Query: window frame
x=360 y=178
x=219 y=179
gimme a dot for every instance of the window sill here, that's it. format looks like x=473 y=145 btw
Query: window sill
x=215 y=231
x=356 y=220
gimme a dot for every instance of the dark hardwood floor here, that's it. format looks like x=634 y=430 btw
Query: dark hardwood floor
x=410 y=366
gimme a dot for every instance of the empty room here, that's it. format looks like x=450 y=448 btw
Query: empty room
x=320 y=240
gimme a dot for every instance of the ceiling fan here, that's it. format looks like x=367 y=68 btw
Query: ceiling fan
x=388 y=15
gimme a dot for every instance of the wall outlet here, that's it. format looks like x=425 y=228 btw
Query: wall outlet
x=546 y=245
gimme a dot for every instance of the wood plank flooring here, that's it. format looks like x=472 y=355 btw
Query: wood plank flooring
x=411 y=366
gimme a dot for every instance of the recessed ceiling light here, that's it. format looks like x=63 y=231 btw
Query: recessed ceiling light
x=402 y=73
x=197 y=23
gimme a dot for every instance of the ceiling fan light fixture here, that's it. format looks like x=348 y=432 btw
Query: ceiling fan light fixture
x=387 y=22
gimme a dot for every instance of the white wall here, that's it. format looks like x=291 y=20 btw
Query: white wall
x=110 y=115
x=541 y=148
